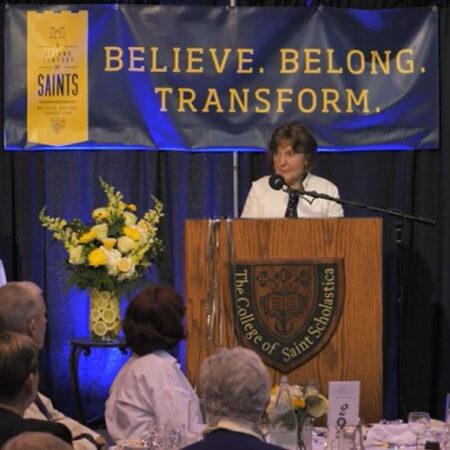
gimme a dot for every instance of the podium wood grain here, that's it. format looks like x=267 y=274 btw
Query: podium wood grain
x=354 y=352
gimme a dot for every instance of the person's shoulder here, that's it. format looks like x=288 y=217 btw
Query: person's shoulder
x=262 y=181
x=268 y=446
x=156 y=361
x=262 y=184
x=55 y=428
x=322 y=181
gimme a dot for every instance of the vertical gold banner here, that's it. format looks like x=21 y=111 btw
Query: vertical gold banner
x=57 y=79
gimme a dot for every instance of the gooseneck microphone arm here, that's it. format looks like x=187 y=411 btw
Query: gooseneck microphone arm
x=277 y=182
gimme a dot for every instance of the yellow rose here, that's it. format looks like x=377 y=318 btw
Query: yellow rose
x=101 y=231
x=132 y=233
x=126 y=269
x=76 y=256
x=124 y=265
x=131 y=207
x=109 y=243
x=125 y=244
x=87 y=237
x=298 y=403
x=97 y=258
x=99 y=214
x=143 y=225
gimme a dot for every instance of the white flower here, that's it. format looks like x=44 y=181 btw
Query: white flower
x=101 y=231
x=114 y=256
x=99 y=214
x=296 y=391
x=76 y=256
x=316 y=405
x=125 y=244
x=130 y=218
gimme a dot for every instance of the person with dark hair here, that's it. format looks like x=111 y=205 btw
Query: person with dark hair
x=235 y=388
x=150 y=387
x=19 y=379
x=22 y=309
x=292 y=151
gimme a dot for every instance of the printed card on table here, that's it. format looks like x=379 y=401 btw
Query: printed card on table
x=343 y=408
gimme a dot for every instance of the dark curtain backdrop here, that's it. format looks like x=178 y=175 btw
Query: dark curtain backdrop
x=415 y=332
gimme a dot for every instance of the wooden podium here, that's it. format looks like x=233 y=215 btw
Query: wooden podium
x=354 y=351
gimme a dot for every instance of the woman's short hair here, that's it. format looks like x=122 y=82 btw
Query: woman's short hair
x=18 y=360
x=154 y=320
x=234 y=383
x=300 y=138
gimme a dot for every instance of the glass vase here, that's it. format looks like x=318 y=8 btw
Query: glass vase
x=104 y=315
x=305 y=430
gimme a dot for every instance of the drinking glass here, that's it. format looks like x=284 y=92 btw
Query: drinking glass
x=446 y=437
x=312 y=387
x=418 y=423
x=447 y=409
x=196 y=420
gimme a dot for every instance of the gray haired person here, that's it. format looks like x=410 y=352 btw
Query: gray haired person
x=34 y=440
x=23 y=310
x=235 y=387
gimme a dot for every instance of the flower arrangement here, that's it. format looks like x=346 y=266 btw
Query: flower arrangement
x=111 y=253
x=307 y=403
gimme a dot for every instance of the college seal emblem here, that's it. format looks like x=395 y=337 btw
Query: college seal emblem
x=287 y=310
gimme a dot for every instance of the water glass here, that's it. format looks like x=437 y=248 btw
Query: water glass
x=196 y=421
x=2 y=274
x=447 y=409
x=418 y=423
x=312 y=387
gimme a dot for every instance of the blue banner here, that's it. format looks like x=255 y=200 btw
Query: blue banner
x=199 y=78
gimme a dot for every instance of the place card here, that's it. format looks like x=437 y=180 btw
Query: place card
x=343 y=403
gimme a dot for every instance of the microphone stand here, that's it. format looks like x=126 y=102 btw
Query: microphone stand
x=390 y=212
x=399 y=227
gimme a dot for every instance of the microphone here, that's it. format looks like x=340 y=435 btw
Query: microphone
x=276 y=182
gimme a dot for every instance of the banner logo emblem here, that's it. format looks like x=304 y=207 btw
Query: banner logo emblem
x=57 y=77
x=58 y=124
x=287 y=310
x=57 y=32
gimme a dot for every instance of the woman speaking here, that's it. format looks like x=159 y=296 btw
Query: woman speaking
x=292 y=151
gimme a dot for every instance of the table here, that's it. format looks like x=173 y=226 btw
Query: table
x=85 y=345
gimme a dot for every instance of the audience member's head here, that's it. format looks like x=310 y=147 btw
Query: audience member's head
x=22 y=309
x=36 y=441
x=154 y=320
x=18 y=370
x=234 y=384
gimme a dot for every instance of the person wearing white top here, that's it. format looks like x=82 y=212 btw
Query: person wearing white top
x=293 y=151
x=150 y=387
